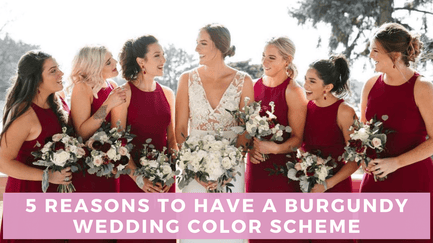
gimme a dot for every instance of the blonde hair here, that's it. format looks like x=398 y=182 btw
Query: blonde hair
x=87 y=67
x=287 y=49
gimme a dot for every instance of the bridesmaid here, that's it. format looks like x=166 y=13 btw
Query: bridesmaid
x=328 y=121
x=33 y=112
x=93 y=97
x=149 y=107
x=278 y=85
x=406 y=98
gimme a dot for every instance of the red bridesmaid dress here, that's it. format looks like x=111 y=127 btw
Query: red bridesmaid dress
x=50 y=126
x=93 y=183
x=149 y=116
x=257 y=179
x=322 y=133
x=404 y=118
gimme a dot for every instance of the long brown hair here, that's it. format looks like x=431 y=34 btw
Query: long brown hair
x=25 y=87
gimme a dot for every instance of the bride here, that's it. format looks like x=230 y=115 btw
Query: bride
x=206 y=92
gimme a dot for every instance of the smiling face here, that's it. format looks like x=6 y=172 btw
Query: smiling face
x=154 y=60
x=381 y=59
x=273 y=62
x=314 y=86
x=110 y=69
x=51 y=77
x=206 y=48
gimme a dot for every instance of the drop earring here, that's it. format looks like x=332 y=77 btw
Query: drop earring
x=324 y=95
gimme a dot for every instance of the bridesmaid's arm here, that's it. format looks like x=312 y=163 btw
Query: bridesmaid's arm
x=344 y=120
x=182 y=109
x=171 y=138
x=120 y=112
x=297 y=103
x=364 y=97
x=247 y=91
x=25 y=128
x=86 y=124
x=423 y=93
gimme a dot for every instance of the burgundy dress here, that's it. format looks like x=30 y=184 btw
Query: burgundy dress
x=257 y=179
x=149 y=116
x=404 y=118
x=322 y=133
x=50 y=126
x=93 y=183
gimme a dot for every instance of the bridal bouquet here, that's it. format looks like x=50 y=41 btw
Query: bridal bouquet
x=367 y=141
x=155 y=165
x=310 y=169
x=59 y=152
x=109 y=149
x=210 y=158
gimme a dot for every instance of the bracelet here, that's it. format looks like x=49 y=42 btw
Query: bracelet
x=325 y=185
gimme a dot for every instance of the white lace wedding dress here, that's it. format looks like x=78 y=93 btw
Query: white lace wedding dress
x=205 y=120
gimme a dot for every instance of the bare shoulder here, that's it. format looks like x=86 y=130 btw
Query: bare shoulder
x=184 y=77
x=26 y=121
x=370 y=83
x=113 y=83
x=167 y=90
x=248 y=80
x=423 y=86
x=346 y=110
x=82 y=89
x=294 y=88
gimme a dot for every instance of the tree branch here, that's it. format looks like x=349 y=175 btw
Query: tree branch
x=413 y=9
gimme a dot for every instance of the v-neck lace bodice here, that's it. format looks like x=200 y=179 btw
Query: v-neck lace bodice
x=201 y=115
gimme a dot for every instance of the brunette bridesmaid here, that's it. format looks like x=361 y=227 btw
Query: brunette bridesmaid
x=406 y=97
x=33 y=112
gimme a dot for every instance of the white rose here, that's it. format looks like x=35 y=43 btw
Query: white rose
x=72 y=149
x=61 y=158
x=57 y=137
x=112 y=153
x=361 y=134
x=298 y=166
x=123 y=151
x=166 y=169
x=97 y=161
x=153 y=164
x=320 y=161
x=376 y=142
x=322 y=173
x=216 y=146
x=250 y=128
x=226 y=163
x=201 y=154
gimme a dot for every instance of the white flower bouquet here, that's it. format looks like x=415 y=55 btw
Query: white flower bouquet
x=155 y=165
x=109 y=149
x=59 y=152
x=367 y=141
x=210 y=158
x=310 y=169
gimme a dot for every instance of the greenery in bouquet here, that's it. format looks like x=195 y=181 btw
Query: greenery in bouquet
x=367 y=141
x=60 y=151
x=310 y=169
x=211 y=158
x=109 y=148
x=157 y=166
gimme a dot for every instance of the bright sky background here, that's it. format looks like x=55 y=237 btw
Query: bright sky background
x=62 y=27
